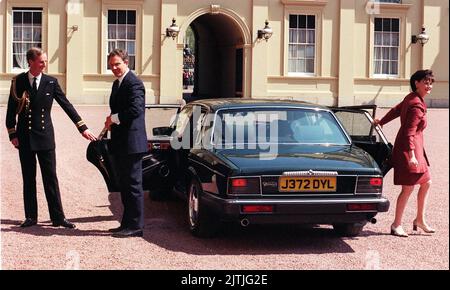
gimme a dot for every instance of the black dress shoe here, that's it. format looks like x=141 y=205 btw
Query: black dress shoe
x=28 y=222
x=63 y=223
x=115 y=230
x=125 y=233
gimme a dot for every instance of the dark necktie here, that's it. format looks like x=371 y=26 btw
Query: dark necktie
x=34 y=87
x=115 y=86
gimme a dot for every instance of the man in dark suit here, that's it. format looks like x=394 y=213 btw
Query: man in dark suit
x=128 y=141
x=31 y=98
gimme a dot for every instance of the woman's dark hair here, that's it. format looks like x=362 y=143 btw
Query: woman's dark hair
x=419 y=75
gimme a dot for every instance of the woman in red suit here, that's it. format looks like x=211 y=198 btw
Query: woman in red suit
x=409 y=159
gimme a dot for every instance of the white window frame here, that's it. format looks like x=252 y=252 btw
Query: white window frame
x=382 y=75
x=297 y=7
x=391 y=10
x=10 y=4
x=121 y=5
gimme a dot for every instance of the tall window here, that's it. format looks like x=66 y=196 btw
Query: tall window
x=122 y=33
x=302 y=41
x=386 y=46
x=27 y=32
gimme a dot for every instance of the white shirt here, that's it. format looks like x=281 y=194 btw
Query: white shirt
x=31 y=78
x=115 y=117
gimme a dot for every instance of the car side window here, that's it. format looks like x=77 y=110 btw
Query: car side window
x=358 y=126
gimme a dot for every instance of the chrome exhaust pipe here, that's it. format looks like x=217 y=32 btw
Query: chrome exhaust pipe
x=245 y=222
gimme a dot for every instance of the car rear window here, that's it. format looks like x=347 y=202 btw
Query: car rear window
x=282 y=126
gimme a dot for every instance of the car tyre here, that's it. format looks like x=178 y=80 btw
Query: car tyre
x=202 y=223
x=348 y=230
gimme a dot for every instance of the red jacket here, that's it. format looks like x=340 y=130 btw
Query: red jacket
x=413 y=119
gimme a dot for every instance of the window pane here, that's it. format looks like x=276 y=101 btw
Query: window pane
x=131 y=17
x=378 y=38
x=386 y=24
x=394 y=67
x=37 y=18
x=394 y=53
x=27 y=18
x=111 y=45
x=292 y=51
x=377 y=67
x=112 y=33
x=121 y=45
x=301 y=65
x=310 y=65
x=131 y=32
x=302 y=21
x=17 y=33
x=395 y=25
x=293 y=21
x=36 y=33
x=302 y=34
x=378 y=24
x=386 y=53
x=301 y=51
x=130 y=47
x=311 y=36
x=310 y=51
x=121 y=17
x=291 y=66
x=112 y=16
x=385 y=69
x=311 y=21
x=395 y=39
x=121 y=31
x=386 y=38
x=292 y=35
x=27 y=33
x=131 y=62
x=17 y=17
x=377 y=54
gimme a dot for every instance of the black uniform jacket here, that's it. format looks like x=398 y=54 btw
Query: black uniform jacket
x=33 y=125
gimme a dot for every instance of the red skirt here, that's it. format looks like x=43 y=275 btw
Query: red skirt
x=410 y=178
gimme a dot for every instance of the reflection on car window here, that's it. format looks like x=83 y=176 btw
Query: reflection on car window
x=165 y=118
x=286 y=125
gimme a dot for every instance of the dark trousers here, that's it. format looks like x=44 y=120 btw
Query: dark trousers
x=47 y=162
x=131 y=192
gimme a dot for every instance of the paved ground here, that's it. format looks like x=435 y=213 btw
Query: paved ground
x=167 y=243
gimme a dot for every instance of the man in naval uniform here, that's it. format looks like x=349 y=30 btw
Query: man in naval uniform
x=31 y=98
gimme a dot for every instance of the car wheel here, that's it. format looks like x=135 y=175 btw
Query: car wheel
x=348 y=230
x=201 y=223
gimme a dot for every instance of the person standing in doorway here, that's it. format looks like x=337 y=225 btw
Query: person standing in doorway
x=30 y=130
x=128 y=141
x=409 y=159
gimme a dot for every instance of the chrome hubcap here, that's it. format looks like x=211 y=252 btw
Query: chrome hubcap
x=193 y=206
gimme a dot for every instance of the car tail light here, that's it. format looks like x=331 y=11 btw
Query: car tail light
x=369 y=185
x=257 y=208
x=244 y=185
x=158 y=146
x=361 y=206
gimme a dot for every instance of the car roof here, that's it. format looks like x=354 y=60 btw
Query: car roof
x=229 y=103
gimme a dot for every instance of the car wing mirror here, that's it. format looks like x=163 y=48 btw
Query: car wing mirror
x=164 y=131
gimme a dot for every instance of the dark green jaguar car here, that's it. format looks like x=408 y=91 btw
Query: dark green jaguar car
x=263 y=162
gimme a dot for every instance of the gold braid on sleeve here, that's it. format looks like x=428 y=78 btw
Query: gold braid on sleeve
x=23 y=101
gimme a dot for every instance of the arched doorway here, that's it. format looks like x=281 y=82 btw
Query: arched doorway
x=219 y=57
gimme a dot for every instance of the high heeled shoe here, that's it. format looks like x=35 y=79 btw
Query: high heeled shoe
x=398 y=231
x=427 y=229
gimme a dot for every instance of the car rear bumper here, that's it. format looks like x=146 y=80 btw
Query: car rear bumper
x=307 y=210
